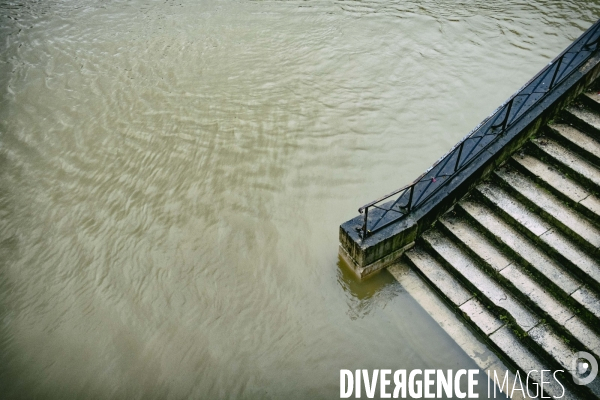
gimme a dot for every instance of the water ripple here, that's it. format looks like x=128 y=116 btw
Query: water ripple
x=172 y=176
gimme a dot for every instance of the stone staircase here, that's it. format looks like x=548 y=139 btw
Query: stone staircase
x=519 y=257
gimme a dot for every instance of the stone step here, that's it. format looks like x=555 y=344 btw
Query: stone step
x=438 y=277
x=561 y=352
x=570 y=222
x=548 y=273
x=558 y=184
x=577 y=141
x=542 y=233
x=489 y=293
x=567 y=161
x=520 y=283
x=476 y=280
x=584 y=118
x=504 y=340
x=474 y=242
x=591 y=99
x=462 y=332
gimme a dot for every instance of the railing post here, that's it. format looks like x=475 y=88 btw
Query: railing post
x=555 y=72
x=509 y=107
x=410 y=197
x=588 y=44
x=460 y=149
x=365 y=223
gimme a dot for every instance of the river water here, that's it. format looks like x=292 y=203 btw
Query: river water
x=173 y=175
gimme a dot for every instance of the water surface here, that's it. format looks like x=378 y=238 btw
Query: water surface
x=173 y=175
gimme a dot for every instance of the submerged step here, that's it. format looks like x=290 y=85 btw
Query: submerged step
x=488 y=324
x=451 y=289
x=519 y=254
x=485 y=321
x=522 y=284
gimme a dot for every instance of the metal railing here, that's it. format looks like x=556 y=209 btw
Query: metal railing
x=399 y=203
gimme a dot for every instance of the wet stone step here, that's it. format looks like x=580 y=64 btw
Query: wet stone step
x=559 y=184
x=584 y=118
x=542 y=233
x=540 y=298
x=437 y=275
x=587 y=296
x=482 y=283
x=467 y=270
x=478 y=314
x=560 y=351
x=591 y=99
x=475 y=242
x=547 y=272
x=573 y=223
x=501 y=201
x=526 y=360
x=577 y=141
x=483 y=320
x=579 y=261
x=516 y=242
x=521 y=282
x=453 y=290
x=569 y=163
x=514 y=275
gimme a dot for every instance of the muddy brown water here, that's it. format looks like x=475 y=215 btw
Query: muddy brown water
x=173 y=175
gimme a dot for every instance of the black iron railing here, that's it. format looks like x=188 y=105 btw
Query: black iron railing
x=396 y=205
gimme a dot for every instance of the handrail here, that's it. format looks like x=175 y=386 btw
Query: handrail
x=360 y=210
x=418 y=192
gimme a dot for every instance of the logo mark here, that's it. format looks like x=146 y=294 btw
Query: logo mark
x=584 y=363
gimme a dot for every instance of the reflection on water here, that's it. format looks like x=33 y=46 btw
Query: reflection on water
x=173 y=175
x=369 y=295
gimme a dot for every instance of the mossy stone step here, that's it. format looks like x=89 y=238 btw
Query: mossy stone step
x=568 y=220
x=523 y=286
x=478 y=281
x=558 y=184
x=438 y=277
x=489 y=291
x=542 y=233
x=591 y=99
x=504 y=340
x=516 y=352
x=551 y=275
x=577 y=141
x=570 y=163
x=583 y=118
